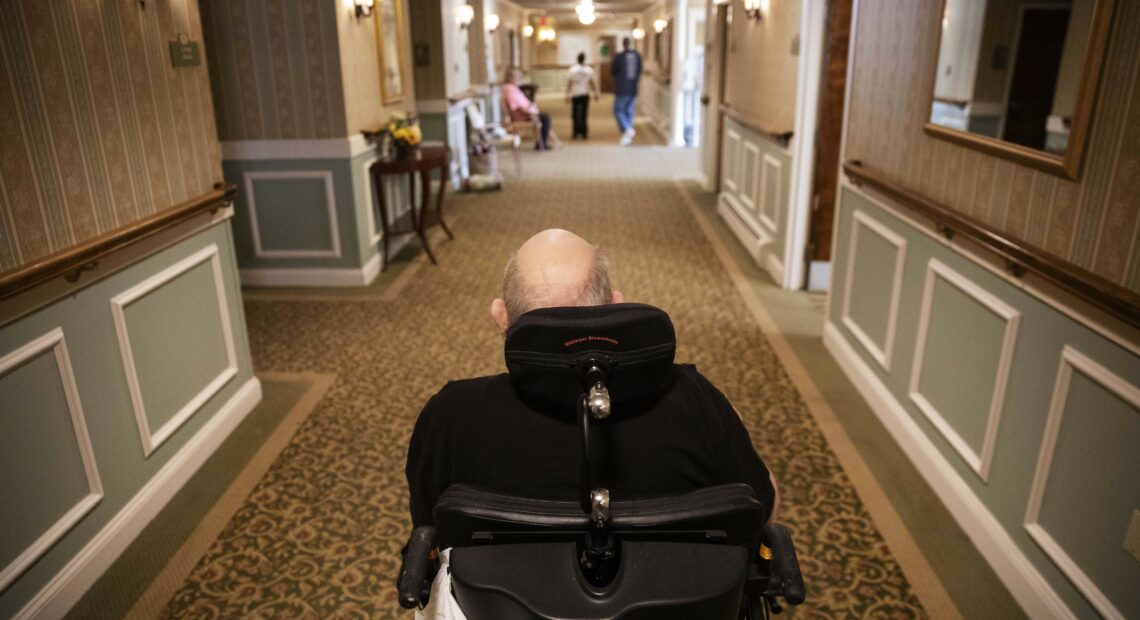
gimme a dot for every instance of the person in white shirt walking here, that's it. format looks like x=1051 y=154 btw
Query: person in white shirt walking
x=580 y=86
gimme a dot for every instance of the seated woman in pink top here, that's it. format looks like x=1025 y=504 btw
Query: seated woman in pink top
x=519 y=108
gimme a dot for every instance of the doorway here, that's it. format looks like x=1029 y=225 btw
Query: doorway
x=1033 y=81
x=607 y=43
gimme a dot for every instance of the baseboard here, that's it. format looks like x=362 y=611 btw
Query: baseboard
x=68 y=586
x=756 y=241
x=819 y=275
x=1016 y=572
x=362 y=276
x=774 y=266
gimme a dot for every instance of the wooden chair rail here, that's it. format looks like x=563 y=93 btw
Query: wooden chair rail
x=779 y=137
x=72 y=262
x=1018 y=256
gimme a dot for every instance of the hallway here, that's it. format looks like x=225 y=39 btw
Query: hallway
x=319 y=535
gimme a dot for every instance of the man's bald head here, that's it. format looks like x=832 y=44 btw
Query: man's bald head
x=553 y=268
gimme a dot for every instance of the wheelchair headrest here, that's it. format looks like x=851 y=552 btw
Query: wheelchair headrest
x=549 y=350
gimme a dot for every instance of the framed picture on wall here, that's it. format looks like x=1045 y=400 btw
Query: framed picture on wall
x=391 y=41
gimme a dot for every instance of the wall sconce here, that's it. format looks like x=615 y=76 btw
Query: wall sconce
x=659 y=25
x=463 y=15
x=492 y=22
x=546 y=33
x=528 y=31
x=364 y=8
x=638 y=34
x=755 y=9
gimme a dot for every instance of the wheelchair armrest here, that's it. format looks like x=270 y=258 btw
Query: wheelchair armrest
x=786 y=580
x=414 y=582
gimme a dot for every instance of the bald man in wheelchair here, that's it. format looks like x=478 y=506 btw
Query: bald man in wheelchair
x=506 y=434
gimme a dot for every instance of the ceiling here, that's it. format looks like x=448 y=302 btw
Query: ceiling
x=565 y=8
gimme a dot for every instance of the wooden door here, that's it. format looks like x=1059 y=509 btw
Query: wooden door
x=607 y=44
x=1034 y=80
x=829 y=130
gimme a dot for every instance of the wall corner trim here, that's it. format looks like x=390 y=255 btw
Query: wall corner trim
x=70 y=584
x=1027 y=585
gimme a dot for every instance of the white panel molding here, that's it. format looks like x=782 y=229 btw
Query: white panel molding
x=1016 y=572
x=53 y=341
x=981 y=460
x=881 y=353
x=751 y=182
x=751 y=236
x=152 y=440
x=771 y=221
x=325 y=148
x=330 y=209
x=1071 y=359
x=1063 y=302
x=86 y=567
x=732 y=157
x=362 y=276
x=374 y=233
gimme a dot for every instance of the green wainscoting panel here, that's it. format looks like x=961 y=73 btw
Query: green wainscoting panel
x=765 y=184
x=774 y=171
x=293 y=215
x=296 y=216
x=960 y=332
x=960 y=362
x=434 y=126
x=1093 y=486
x=86 y=319
x=872 y=283
x=174 y=366
x=38 y=445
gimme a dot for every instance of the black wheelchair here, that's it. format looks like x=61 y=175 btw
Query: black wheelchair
x=705 y=554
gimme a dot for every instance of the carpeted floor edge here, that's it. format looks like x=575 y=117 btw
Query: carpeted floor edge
x=927 y=586
x=178 y=568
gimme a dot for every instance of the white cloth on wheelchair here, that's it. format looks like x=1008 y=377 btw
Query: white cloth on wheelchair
x=442 y=605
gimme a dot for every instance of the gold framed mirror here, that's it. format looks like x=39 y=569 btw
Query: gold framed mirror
x=391 y=41
x=1018 y=79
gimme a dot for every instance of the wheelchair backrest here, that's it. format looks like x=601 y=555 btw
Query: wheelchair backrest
x=549 y=350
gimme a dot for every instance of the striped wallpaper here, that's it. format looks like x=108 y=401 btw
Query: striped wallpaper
x=97 y=129
x=1093 y=223
x=275 y=67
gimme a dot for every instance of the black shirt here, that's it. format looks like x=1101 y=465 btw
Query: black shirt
x=477 y=431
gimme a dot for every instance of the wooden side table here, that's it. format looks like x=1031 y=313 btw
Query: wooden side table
x=425 y=159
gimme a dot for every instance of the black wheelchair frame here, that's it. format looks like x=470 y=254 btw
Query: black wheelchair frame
x=707 y=554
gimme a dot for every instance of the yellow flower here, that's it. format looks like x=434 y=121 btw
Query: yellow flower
x=414 y=134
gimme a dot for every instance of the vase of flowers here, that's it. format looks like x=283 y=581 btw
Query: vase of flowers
x=405 y=134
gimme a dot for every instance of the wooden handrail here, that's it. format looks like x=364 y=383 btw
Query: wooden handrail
x=1019 y=257
x=779 y=137
x=72 y=262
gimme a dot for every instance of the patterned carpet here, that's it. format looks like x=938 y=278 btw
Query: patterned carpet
x=320 y=534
